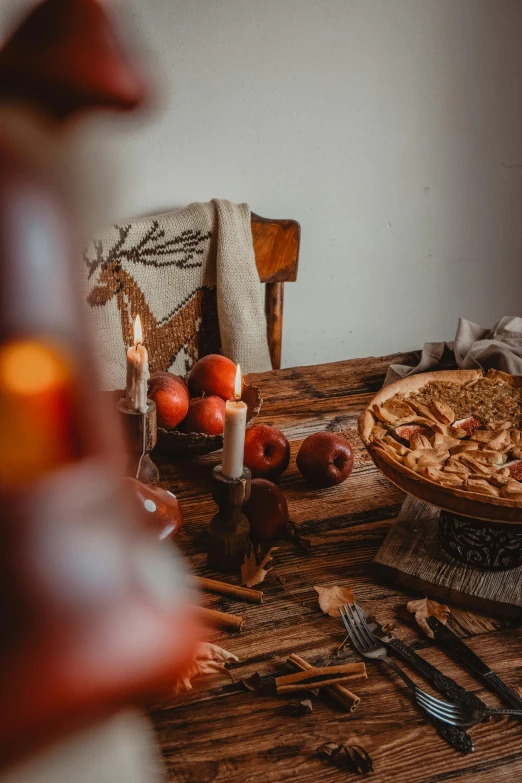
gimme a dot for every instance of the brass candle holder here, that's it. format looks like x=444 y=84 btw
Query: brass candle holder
x=229 y=529
x=141 y=432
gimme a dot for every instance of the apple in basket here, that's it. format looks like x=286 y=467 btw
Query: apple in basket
x=171 y=396
x=325 y=459
x=267 y=451
x=205 y=415
x=213 y=375
x=266 y=510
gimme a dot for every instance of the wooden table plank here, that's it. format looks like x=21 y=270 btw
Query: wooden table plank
x=219 y=732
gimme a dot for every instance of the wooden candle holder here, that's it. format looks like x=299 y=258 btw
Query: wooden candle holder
x=229 y=529
x=140 y=430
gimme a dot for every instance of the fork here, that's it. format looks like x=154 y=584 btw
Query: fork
x=460 y=715
x=369 y=646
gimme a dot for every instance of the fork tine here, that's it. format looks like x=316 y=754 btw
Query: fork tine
x=453 y=711
x=362 y=624
x=442 y=716
x=446 y=706
x=356 y=634
x=367 y=641
x=348 y=625
x=355 y=637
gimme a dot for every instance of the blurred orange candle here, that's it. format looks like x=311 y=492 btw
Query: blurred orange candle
x=37 y=434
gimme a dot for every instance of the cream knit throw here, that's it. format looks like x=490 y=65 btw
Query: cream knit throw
x=191 y=276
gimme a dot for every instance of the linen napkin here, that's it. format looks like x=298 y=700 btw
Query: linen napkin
x=474 y=347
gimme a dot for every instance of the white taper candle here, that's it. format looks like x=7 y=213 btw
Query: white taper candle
x=137 y=372
x=234 y=433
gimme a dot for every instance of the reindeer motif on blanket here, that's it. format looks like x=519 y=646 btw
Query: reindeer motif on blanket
x=192 y=326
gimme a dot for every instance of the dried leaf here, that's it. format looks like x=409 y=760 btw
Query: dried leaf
x=300 y=541
x=424 y=607
x=252 y=683
x=331 y=598
x=352 y=758
x=208 y=659
x=299 y=708
x=252 y=573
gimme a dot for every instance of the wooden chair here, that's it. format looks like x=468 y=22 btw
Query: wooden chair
x=276 y=247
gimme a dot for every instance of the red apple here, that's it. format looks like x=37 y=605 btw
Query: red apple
x=266 y=510
x=171 y=396
x=205 y=415
x=159 y=507
x=267 y=451
x=325 y=459
x=213 y=374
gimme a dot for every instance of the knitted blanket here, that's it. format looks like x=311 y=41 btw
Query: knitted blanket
x=191 y=277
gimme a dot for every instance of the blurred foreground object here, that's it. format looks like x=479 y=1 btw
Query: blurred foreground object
x=162 y=507
x=93 y=607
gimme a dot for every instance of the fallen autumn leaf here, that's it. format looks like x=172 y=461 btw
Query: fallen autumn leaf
x=208 y=659
x=331 y=598
x=252 y=573
x=425 y=607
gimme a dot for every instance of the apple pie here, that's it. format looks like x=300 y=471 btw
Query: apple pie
x=464 y=436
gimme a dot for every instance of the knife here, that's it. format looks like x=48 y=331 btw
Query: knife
x=456 y=736
x=471 y=661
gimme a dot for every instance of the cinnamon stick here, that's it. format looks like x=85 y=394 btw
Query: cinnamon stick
x=220 y=619
x=344 y=697
x=319 y=677
x=223 y=588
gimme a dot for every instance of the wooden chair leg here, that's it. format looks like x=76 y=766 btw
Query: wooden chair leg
x=274 y=297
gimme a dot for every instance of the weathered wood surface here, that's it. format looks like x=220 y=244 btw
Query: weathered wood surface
x=414 y=558
x=222 y=733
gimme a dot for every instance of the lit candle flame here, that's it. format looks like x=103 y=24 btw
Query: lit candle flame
x=238 y=385
x=138 y=332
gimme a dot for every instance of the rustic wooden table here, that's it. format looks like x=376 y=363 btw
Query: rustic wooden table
x=221 y=732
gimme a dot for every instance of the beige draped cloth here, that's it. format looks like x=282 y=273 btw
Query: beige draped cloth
x=474 y=347
x=191 y=276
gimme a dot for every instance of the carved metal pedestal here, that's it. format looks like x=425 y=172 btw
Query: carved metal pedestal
x=488 y=545
x=141 y=432
x=229 y=529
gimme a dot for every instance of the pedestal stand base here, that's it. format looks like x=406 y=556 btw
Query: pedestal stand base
x=480 y=544
x=412 y=557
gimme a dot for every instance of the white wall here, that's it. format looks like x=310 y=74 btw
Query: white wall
x=391 y=129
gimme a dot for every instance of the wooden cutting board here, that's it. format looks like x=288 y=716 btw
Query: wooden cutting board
x=412 y=557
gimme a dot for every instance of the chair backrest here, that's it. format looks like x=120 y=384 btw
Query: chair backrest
x=276 y=247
